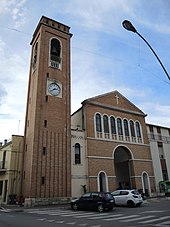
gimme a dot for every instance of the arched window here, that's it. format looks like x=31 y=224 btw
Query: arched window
x=98 y=123
x=35 y=56
x=77 y=154
x=138 y=131
x=113 y=125
x=126 y=127
x=55 y=53
x=132 y=131
x=106 y=124
x=119 y=126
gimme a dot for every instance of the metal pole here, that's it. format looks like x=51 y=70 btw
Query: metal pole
x=154 y=54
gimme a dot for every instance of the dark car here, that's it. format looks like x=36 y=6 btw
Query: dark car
x=99 y=201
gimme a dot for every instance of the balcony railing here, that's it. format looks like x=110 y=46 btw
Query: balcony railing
x=117 y=137
x=157 y=137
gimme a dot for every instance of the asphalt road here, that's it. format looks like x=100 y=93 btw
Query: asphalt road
x=154 y=212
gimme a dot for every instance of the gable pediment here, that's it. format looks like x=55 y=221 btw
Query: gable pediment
x=114 y=100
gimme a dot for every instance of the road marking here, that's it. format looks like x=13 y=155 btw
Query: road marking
x=85 y=215
x=85 y=224
x=153 y=211
x=71 y=223
x=77 y=214
x=60 y=222
x=115 y=215
x=163 y=224
x=96 y=226
x=41 y=219
x=137 y=219
x=50 y=220
x=120 y=218
x=5 y=210
x=154 y=220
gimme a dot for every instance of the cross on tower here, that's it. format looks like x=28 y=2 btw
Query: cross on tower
x=117 y=99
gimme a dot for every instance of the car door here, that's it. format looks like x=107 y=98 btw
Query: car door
x=96 y=199
x=84 y=201
x=123 y=197
x=116 y=195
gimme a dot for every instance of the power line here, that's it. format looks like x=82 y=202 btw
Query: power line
x=16 y=30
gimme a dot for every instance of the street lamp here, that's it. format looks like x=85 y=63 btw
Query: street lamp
x=128 y=26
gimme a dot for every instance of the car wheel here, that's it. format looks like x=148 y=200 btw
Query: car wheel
x=100 y=208
x=138 y=205
x=75 y=206
x=130 y=203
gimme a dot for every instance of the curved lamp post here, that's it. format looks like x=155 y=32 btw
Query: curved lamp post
x=128 y=26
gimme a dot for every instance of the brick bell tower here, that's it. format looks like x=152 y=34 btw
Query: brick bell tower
x=47 y=155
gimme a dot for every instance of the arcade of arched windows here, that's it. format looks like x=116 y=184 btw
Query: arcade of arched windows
x=116 y=128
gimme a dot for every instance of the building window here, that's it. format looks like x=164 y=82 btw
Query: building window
x=113 y=125
x=158 y=130
x=44 y=150
x=126 y=127
x=43 y=180
x=159 y=133
x=151 y=128
x=132 y=129
x=4 y=160
x=151 y=132
x=77 y=154
x=1 y=187
x=35 y=56
x=26 y=147
x=55 y=53
x=119 y=126
x=106 y=124
x=98 y=123
x=169 y=131
x=165 y=174
x=138 y=131
x=45 y=123
x=161 y=151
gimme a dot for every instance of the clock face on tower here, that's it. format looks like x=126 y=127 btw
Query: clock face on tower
x=54 y=89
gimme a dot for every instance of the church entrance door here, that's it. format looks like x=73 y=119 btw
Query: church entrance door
x=122 y=167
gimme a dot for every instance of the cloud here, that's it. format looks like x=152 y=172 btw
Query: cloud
x=97 y=15
x=16 y=9
x=157 y=113
x=3 y=93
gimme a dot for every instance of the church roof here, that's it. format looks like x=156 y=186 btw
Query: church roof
x=114 y=100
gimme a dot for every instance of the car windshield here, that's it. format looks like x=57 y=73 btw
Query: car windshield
x=115 y=193
x=108 y=196
x=86 y=195
x=135 y=192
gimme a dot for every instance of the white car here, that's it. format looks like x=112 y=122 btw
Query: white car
x=130 y=198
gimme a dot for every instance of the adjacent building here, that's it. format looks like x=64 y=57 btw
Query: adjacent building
x=159 y=140
x=11 y=159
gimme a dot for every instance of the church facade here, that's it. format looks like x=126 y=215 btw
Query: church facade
x=116 y=150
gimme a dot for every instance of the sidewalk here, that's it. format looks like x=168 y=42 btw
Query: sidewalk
x=17 y=208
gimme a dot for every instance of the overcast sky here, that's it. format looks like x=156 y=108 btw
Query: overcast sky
x=104 y=56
